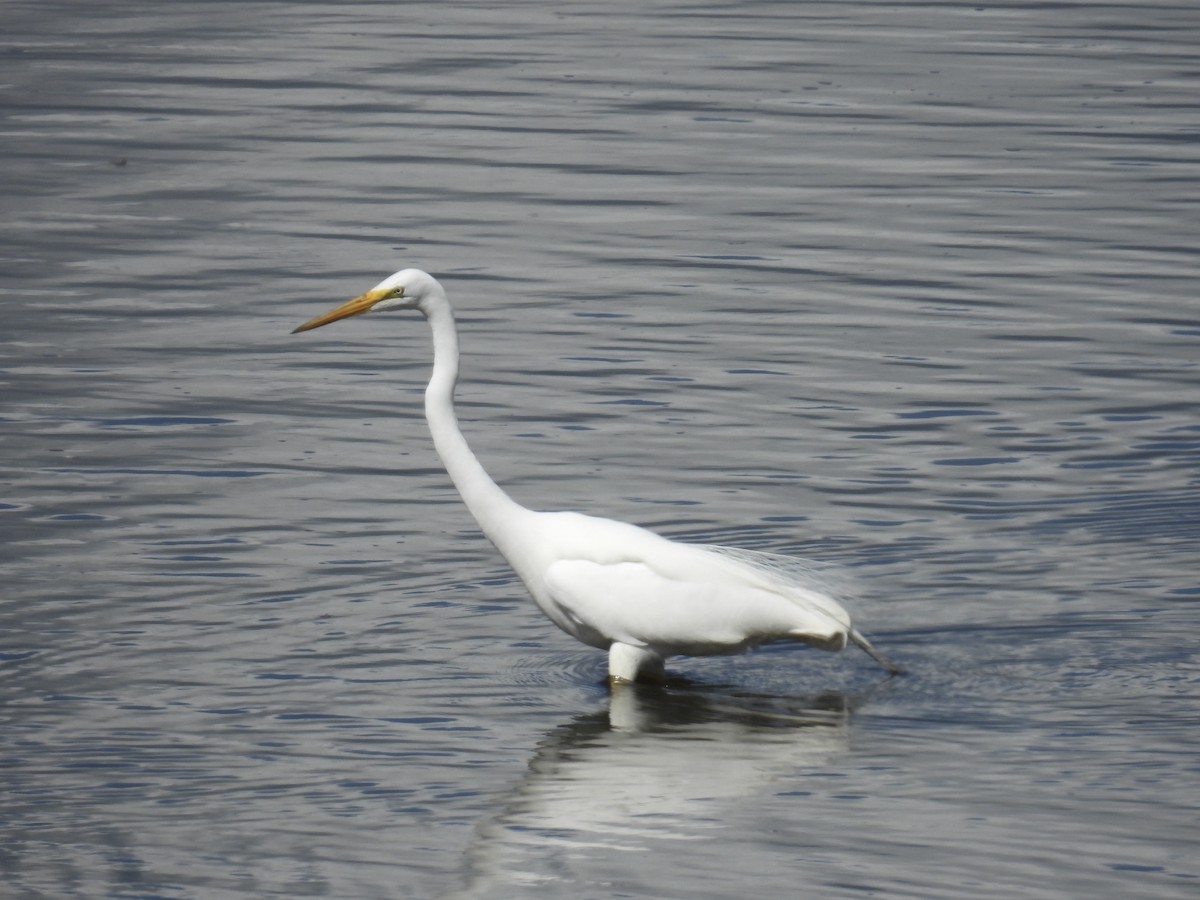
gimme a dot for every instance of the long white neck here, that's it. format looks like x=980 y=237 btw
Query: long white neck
x=497 y=513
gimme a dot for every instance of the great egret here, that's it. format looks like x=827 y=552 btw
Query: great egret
x=609 y=584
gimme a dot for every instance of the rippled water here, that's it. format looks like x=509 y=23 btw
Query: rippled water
x=910 y=288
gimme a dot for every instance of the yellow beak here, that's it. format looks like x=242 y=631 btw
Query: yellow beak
x=356 y=307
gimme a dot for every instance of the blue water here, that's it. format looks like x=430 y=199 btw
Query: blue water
x=905 y=288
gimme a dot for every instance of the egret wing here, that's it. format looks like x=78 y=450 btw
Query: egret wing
x=633 y=603
x=810 y=574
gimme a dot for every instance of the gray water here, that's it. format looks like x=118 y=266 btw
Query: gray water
x=909 y=288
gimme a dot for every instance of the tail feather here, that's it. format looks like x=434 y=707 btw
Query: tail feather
x=862 y=642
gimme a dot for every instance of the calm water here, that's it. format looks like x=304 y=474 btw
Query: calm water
x=909 y=288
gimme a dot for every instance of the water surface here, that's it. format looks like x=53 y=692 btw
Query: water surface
x=907 y=288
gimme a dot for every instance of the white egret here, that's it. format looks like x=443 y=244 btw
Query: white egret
x=609 y=584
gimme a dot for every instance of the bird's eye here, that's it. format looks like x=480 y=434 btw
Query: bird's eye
x=397 y=292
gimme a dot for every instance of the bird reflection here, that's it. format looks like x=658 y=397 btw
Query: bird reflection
x=659 y=764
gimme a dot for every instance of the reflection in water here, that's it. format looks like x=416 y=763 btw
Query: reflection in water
x=660 y=764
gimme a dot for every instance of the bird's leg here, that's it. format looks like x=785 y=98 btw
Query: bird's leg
x=870 y=650
x=627 y=664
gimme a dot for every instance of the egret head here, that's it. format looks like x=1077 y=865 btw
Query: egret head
x=407 y=289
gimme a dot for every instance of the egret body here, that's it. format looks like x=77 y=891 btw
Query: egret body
x=609 y=584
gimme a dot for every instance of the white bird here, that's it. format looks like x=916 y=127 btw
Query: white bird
x=609 y=584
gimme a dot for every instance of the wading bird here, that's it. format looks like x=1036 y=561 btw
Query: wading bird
x=609 y=584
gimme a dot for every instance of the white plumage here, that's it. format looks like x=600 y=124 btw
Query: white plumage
x=609 y=584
